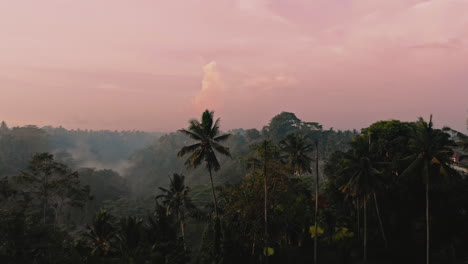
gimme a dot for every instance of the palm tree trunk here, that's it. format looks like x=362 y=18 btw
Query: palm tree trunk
x=216 y=220
x=44 y=206
x=358 y=205
x=316 y=200
x=253 y=246
x=215 y=200
x=182 y=229
x=265 y=189
x=380 y=220
x=365 y=230
x=427 y=221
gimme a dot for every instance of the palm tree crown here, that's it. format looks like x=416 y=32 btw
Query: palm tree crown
x=297 y=149
x=177 y=196
x=363 y=176
x=206 y=133
x=432 y=151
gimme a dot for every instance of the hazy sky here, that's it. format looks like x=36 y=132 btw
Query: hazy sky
x=152 y=65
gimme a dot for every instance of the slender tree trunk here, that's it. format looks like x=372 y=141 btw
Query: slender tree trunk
x=215 y=200
x=217 y=224
x=253 y=247
x=365 y=229
x=316 y=200
x=358 y=205
x=44 y=211
x=182 y=229
x=265 y=189
x=380 y=220
x=427 y=221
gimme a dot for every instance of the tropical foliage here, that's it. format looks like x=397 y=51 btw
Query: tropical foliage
x=394 y=193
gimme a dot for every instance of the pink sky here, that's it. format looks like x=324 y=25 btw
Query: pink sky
x=152 y=65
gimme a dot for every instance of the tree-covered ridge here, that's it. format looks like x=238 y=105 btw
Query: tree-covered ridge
x=77 y=148
x=390 y=194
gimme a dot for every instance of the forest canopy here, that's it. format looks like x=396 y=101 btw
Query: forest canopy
x=291 y=192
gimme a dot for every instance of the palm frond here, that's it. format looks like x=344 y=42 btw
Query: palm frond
x=197 y=128
x=221 y=149
x=195 y=159
x=414 y=168
x=214 y=131
x=222 y=138
x=192 y=135
x=188 y=149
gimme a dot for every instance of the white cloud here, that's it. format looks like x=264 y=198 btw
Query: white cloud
x=211 y=95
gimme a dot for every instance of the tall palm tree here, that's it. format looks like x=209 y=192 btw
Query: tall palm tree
x=207 y=135
x=363 y=181
x=431 y=158
x=177 y=201
x=297 y=149
x=266 y=153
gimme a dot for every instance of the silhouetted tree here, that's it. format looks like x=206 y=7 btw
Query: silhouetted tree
x=297 y=150
x=431 y=159
x=206 y=134
x=177 y=201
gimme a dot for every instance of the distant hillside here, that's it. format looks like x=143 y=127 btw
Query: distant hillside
x=101 y=149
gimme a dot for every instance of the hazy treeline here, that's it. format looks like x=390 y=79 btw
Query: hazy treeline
x=133 y=164
x=78 y=148
x=65 y=196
